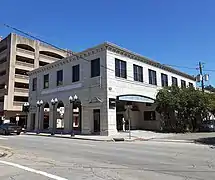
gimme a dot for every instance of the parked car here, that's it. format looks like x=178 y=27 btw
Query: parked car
x=208 y=126
x=10 y=128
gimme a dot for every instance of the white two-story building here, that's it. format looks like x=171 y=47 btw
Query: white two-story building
x=104 y=79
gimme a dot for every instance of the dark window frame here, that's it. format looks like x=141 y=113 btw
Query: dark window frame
x=164 y=80
x=34 y=84
x=95 y=67
x=138 y=73
x=60 y=77
x=152 y=77
x=120 y=68
x=76 y=69
x=149 y=115
x=191 y=84
x=45 y=81
x=174 y=81
x=183 y=83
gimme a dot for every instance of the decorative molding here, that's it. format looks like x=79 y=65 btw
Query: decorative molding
x=116 y=49
x=64 y=88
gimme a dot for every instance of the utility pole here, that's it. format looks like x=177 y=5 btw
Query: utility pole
x=201 y=75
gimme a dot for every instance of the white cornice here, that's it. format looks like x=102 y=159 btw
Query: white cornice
x=125 y=52
x=113 y=48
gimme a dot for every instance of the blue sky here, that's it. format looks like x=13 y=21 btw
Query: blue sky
x=176 y=32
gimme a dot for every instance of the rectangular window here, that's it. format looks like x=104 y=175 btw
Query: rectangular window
x=138 y=73
x=152 y=77
x=75 y=73
x=34 y=84
x=174 y=81
x=96 y=119
x=2 y=73
x=46 y=81
x=120 y=68
x=190 y=84
x=164 y=80
x=183 y=84
x=59 y=77
x=149 y=116
x=2 y=99
x=3 y=60
x=95 y=67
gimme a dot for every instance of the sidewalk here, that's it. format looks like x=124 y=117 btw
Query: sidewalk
x=84 y=137
x=136 y=135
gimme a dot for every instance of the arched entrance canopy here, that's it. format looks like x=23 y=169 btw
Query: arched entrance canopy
x=135 y=98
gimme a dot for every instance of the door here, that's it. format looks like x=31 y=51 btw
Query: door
x=119 y=120
x=96 y=120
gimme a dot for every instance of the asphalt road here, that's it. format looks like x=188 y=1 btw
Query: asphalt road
x=42 y=158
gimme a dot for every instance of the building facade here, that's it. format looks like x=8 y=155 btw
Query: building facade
x=105 y=79
x=18 y=56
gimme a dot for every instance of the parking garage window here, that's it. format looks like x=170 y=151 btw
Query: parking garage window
x=3 y=60
x=2 y=99
x=20 y=98
x=2 y=86
x=2 y=73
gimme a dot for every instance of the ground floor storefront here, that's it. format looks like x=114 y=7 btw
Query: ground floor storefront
x=95 y=117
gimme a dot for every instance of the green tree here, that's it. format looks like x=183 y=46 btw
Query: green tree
x=211 y=105
x=182 y=109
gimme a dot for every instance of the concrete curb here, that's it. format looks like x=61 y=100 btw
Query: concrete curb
x=173 y=140
x=116 y=139
x=89 y=139
x=53 y=136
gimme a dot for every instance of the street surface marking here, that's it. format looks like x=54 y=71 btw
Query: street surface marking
x=3 y=138
x=33 y=170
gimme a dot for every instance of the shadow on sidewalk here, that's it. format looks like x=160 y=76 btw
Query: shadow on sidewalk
x=208 y=141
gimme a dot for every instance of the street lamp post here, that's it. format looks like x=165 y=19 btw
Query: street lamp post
x=72 y=101
x=26 y=106
x=54 y=102
x=39 y=104
x=129 y=107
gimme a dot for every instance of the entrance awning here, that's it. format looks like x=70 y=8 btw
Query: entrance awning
x=135 y=98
